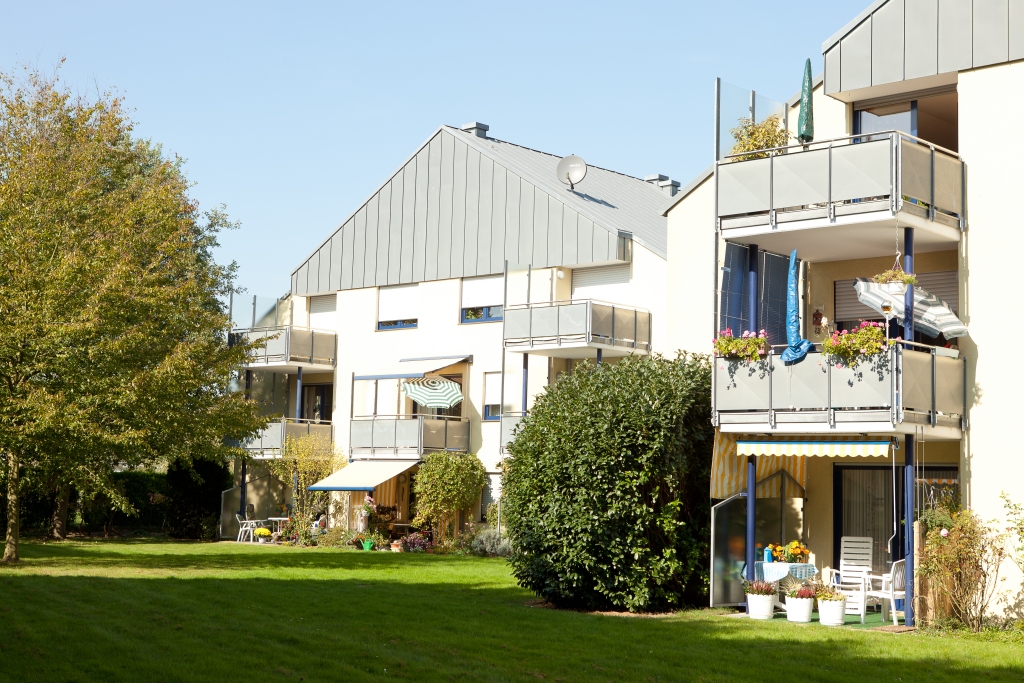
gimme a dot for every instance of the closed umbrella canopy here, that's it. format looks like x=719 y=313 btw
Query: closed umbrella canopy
x=932 y=315
x=433 y=392
x=798 y=346
x=805 y=124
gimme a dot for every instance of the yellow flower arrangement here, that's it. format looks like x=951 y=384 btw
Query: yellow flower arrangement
x=792 y=552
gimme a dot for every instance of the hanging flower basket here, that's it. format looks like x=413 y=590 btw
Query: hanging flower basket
x=895 y=281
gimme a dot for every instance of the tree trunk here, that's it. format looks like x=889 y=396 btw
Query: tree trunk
x=60 y=514
x=13 y=519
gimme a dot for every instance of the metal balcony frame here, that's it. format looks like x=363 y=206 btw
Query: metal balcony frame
x=897 y=412
x=420 y=450
x=895 y=175
x=588 y=337
x=266 y=359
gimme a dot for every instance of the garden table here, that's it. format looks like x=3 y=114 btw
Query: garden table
x=776 y=571
x=276 y=523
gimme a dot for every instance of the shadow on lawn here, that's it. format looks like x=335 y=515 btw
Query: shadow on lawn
x=346 y=627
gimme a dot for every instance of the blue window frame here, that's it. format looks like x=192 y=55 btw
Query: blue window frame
x=397 y=324
x=482 y=314
x=492 y=412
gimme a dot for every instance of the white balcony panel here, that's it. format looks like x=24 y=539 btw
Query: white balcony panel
x=744 y=187
x=860 y=171
x=800 y=179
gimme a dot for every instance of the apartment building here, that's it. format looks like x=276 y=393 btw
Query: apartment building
x=909 y=155
x=473 y=265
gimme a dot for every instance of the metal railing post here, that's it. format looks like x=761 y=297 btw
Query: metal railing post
x=828 y=393
x=771 y=368
x=831 y=205
x=931 y=208
x=934 y=414
x=613 y=326
x=312 y=344
x=590 y=322
x=771 y=189
x=636 y=331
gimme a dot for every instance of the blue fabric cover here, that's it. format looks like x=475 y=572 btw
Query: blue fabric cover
x=798 y=347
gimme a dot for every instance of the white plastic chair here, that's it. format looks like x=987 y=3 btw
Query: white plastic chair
x=894 y=587
x=854 y=569
x=245 y=528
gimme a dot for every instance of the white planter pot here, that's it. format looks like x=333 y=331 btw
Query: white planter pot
x=799 y=609
x=261 y=540
x=761 y=606
x=895 y=288
x=832 y=612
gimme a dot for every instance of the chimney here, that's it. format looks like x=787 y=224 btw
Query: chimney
x=476 y=128
x=655 y=179
x=669 y=187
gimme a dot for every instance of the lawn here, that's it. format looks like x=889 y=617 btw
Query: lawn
x=162 y=611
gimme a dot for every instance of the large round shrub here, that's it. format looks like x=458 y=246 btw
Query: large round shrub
x=606 y=490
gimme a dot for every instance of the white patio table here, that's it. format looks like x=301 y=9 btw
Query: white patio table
x=276 y=523
x=776 y=571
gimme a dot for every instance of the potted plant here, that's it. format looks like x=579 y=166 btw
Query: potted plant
x=848 y=347
x=416 y=543
x=262 y=535
x=793 y=552
x=760 y=599
x=800 y=604
x=831 y=606
x=895 y=280
x=750 y=346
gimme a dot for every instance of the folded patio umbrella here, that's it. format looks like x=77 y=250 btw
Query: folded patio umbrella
x=798 y=346
x=932 y=315
x=433 y=392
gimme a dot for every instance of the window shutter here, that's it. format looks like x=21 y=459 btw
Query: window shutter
x=942 y=284
x=400 y=302
x=322 y=312
x=586 y=282
x=483 y=291
x=492 y=388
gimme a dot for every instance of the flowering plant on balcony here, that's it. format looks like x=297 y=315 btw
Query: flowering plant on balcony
x=750 y=346
x=895 y=275
x=847 y=346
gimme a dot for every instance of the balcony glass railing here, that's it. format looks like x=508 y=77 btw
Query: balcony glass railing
x=270 y=442
x=911 y=383
x=509 y=422
x=579 y=321
x=285 y=344
x=398 y=435
x=889 y=171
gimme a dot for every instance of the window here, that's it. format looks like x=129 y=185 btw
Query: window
x=481 y=297
x=322 y=312
x=482 y=314
x=772 y=282
x=492 y=396
x=398 y=307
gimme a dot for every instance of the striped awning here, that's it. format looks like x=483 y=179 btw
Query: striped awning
x=819 y=449
x=729 y=467
x=433 y=392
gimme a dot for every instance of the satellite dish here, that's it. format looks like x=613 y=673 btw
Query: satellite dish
x=571 y=170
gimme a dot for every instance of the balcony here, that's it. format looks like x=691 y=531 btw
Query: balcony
x=911 y=387
x=844 y=197
x=407 y=436
x=269 y=443
x=577 y=329
x=509 y=422
x=287 y=348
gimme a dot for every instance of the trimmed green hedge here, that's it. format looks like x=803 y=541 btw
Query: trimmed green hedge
x=606 y=490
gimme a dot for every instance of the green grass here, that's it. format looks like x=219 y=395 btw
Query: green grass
x=160 y=611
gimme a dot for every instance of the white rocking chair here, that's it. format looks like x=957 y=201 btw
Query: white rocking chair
x=893 y=588
x=854 y=569
x=245 y=528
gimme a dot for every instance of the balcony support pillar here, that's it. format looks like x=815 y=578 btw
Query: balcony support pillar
x=751 y=519
x=599 y=356
x=908 y=297
x=908 y=527
x=752 y=298
x=241 y=492
x=298 y=395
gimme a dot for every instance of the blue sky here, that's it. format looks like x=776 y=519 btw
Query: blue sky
x=291 y=114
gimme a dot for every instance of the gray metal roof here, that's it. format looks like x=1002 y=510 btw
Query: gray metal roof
x=615 y=201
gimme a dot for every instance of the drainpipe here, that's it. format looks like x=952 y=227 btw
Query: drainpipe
x=752 y=288
x=526 y=373
x=908 y=462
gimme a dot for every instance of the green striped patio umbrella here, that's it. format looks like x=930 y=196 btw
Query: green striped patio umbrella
x=433 y=392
